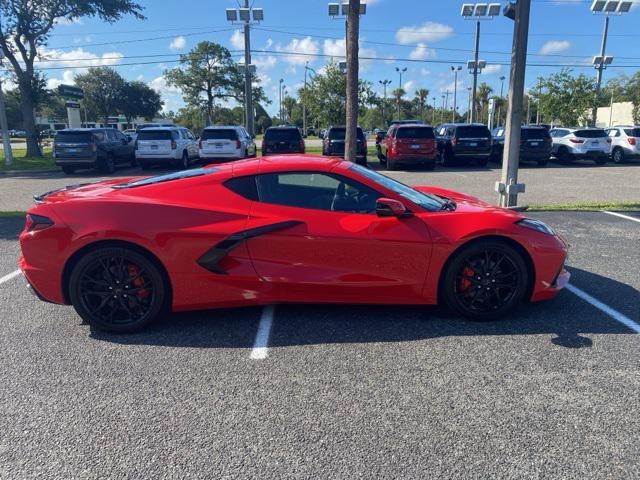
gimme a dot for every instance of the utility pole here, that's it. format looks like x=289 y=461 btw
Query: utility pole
x=353 y=47
x=384 y=84
x=400 y=72
x=469 y=109
x=508 y=187
x=6 y=141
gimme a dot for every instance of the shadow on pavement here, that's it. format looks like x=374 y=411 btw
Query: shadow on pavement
x=567 y=318
x=10 y=227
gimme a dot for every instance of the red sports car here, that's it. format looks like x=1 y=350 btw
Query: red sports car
x=280 y=229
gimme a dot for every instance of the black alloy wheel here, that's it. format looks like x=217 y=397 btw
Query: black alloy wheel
x=485 y=280
x=117 y=289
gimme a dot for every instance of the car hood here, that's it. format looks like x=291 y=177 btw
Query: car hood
x=82 y=190
x=467 y=203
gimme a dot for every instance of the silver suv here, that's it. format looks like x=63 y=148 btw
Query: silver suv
x=580 y=144
x=625 y=142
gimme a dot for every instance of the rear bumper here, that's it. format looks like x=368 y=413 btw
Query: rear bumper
x=482 y=154
x=216 y=156
x=415 y=158
x=155 y=158
x=76 y=162
x=577 y=155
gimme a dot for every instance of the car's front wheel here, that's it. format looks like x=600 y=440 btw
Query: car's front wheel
x=485 y=280
x=618 y=155
x=117 y=289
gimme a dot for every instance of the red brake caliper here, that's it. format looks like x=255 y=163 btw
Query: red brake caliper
x=465 y=283
x=134 y=272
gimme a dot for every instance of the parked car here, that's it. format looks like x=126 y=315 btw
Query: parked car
x=295 y=229
x=535 y=144
x=463 y=141
x=580 y=144
x=175 y=146
x=410 y=144
x=282 y=139
x=132 y=133
x=154 y=125
x=405 y=122
x=102 y=148
x=380 y=136
x=334 y=143
x=225 y=142
x=625 y=143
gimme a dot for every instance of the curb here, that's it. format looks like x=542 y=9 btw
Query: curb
x=18 y=172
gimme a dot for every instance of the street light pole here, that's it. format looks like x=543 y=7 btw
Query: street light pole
x=384 y=84
x=443 y=109
x=500 y=106
x=400 y=72
x=280 y=90
x=600 y=68
x=455 y=89
x=248 y=92
x=433 y=120
x=475 y=71
x=508 y=187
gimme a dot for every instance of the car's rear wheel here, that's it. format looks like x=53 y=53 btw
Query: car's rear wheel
x=482 y=162
x=485 y=280
x=430 y=165
x=184 y=162
x=68 y=170
x=618 y=155
x=543 y=163
x=117 y=289
x=563 y=155
x=108 y=164
x=600 y=160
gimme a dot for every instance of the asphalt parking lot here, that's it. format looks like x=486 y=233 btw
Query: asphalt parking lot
x=580 y=181
x=303 y=391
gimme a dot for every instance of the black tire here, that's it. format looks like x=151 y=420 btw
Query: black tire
x=617 y=155
x=563 y=156
x=108 y=165
x=68 y=170
x=600 y=160
x=390 y=164
x=482 y=162
x=430 y=166
x=491 y=267
x=101 y=286
x=447 y=158
x=184 y=161
x=133 y=162
x=543 y=163
x=144 y=164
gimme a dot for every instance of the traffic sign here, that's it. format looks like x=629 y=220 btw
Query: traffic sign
x=69 y=91
x=72 y=104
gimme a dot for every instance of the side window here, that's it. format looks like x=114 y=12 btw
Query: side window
x=243 y=186
x=317 y=191
x=111 y=135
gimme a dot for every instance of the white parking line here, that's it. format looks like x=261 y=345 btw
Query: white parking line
x=626 y=217
x=617 y=316
x=261 y=344
x=9 y=276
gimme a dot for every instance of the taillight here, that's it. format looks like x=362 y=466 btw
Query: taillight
x=36 y=222
x=576 y=140
x=631 y=140
x=174 y=145
x=238 y=144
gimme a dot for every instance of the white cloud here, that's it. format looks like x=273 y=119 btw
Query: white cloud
x=78 y=57
x=427 y=32
x=491 y=69
x=67 y=78
x=237 y=40
x=409 y=86
x=305 y=47
x=178 y=43
x=421 y=52
x=161 y=86
x=65 y=21
x=554 y=46
x=266 y=62
x=171 y=95
x=424 y=72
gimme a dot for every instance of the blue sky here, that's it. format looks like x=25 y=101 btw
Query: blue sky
x=393 y=32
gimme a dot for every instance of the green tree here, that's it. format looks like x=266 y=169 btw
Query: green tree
x=422 y=96
x=482 y=97
x=25 y=26
x=102 y=88
x=137 y=99
x=565 y=98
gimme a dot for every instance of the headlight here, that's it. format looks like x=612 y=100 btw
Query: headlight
x=536 y=225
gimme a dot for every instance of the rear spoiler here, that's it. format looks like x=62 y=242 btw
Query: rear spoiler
x=40 y=198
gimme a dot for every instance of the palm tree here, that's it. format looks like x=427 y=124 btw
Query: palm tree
x=288 y=104
x=421 y=96
x=484 y=92
x=398 y=93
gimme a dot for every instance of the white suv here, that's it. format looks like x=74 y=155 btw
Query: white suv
x=625 y=142
x=580 y=144
x=222 y=142
x=175 y=146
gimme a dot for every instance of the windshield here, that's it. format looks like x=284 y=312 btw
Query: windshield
x=74 y=137
x=632 y=132
x=425 y=200
x=155 y=135
x=595 y=133
x=340 y=133
x=168 y=177
x=219 y=134
x=422 y=133
x=282 y=134
x=473 y=132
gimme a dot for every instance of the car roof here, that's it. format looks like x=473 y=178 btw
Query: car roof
x=155 y=129
x=283 y=127
x=227 y=127
x=279 y=163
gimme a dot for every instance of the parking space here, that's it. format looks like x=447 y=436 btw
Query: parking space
x=346 y=391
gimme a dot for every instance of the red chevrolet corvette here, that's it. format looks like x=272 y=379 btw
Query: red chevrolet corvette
x=280 y=229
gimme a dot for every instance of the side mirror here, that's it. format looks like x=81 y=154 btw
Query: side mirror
x=387 y=207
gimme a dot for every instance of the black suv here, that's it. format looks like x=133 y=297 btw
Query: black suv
x=101 y=148
x=333 y=144
x=463 y=141
x=535 y=144
x=282 y=139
